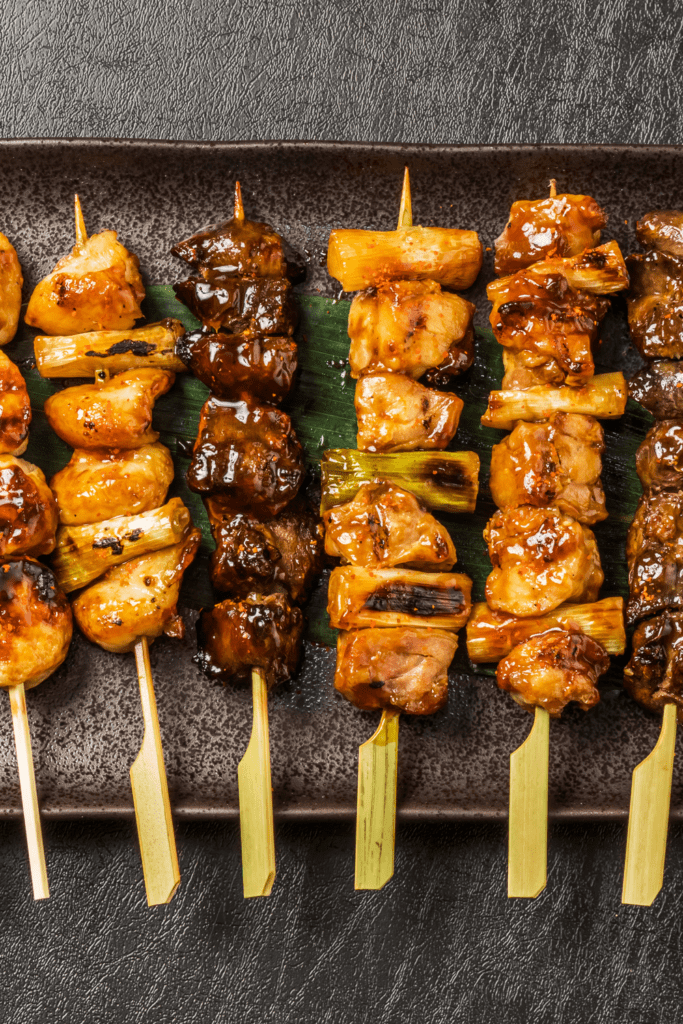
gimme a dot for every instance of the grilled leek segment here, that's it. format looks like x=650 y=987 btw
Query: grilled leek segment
x=359 y=598
x=86 y=355
x=604 y=396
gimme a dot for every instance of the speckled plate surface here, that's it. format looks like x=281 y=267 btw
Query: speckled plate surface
x=85 y=720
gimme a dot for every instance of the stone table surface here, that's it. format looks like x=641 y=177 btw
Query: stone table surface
x=441 y=943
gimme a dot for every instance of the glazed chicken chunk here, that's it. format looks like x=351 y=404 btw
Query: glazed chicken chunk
x=96 y=287
x=655 y=304
x=137 y=598
x=15 y=409
x=540 y=558
x=262 y=305
x=28 y=512
x=11 y=282
x=100 y=483
x=659 y=459
x=284 y=552
x=262 y=631
x=661 y=230
x=552 y=669
x=654 y=552
x=396 y=414
x=386 y=526
x=562 y=225
x=116 y=413
x=408 y=327
x=654 y=674
x=359 y=597
x=556 y=462
x=248 y=454
x=35 y=623
x=241 y=247
x=400 y=667
x=659 y=388
x=231 y=364
x=537 y=311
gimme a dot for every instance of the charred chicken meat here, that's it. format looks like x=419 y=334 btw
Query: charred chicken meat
x=28 y=511
x=11 y=282
x=654 y=674
x=232 y=364
x=396 y=414
x=35 y=623
x=563 y=225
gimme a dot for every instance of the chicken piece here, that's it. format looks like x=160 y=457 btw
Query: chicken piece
x=263 y=631
x=263 y=305
x=395 y=414
x=231 y=364
x=96 y=287
x=358 y=598
x=363 y=259
x=15 y=409
x=654 y=674
x=524 y=370
x=556 y=462
x=408 y=327
x=99 y=483
x=28 y=511
x=659 y=460
x=659 y=388
x=661 y=230
x=137 y=598
x=491 y=635
x=11 y=282
x=604 y=396
x=537 y=311
x=116 y=413
x=655 y=304
x=562 y=225
x=87 y=355
x=541 y=558
x=400 y=668
x=241 y=247
x=248 y=454
x=654 y=552
x=35 y=623
x=285 y=552
x=552 y=669
x=386 y=526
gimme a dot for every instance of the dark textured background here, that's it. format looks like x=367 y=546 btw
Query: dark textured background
x=441 y=943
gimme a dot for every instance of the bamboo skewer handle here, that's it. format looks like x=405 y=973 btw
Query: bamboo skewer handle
x=150 y=795
x=376 y=810
x=648 y=819
x=528 y=824
x=29 y=796
x=257 y=832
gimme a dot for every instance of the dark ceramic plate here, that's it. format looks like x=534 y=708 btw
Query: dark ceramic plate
x=85 y=720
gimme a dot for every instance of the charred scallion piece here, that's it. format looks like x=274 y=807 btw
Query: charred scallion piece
x=84 y=355
x=441 y=480
x=604 y=396
x=359 y=598
x=492 y=635
x=85 y=552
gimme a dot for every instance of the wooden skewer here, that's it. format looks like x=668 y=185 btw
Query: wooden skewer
x=257 y=832
x=81 y=233
x=553 y=188
x=238 y=213
x=648 y=819
x=29 y=797
x=150 y=795
x=378 y=756
x=528 y=822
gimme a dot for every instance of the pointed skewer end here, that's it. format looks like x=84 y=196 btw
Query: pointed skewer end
x=81 y=233
x=238 y=213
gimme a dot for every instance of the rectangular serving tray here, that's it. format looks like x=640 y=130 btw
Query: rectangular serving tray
x=85 y=720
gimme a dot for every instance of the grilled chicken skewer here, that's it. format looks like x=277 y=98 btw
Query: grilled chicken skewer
x=248 y=466
x=652 y=675
x=386 y=658
x=129 y=565
x=545 y=479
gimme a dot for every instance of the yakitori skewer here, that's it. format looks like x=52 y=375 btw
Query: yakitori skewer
x=248 y=466
x=653 y=673
x=118 y=545
x=391 y=615
x=545 y=479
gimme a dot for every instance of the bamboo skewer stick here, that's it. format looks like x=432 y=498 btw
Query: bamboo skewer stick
x=150 y=795
x=528 y=821
x=29 y=796
x=378 y=756
x=148 y=773
x=257 y=832
x=376 y=810
x=648 y=819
